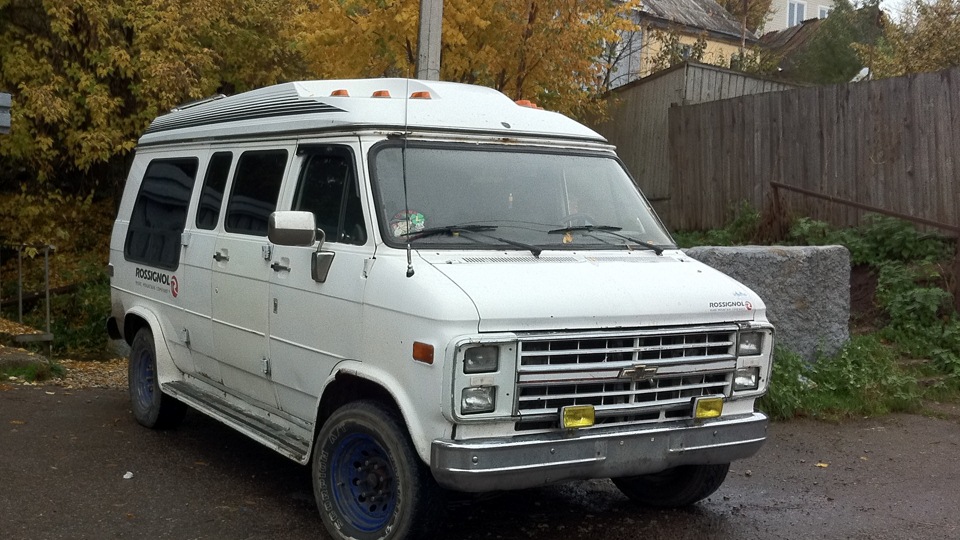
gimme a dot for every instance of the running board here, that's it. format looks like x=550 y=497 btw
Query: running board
x=270 y=434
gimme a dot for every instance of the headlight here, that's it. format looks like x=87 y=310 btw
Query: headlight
x=481 y=359
x=747 y=378
x=478 y=399
x=751 y=344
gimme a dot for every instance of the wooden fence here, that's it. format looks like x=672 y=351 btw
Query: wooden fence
x=892 y=144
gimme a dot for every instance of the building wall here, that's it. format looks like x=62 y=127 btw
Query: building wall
x=780 y=9
x=717 y=52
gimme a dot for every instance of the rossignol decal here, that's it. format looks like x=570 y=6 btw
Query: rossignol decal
x=157 y=281
x=731 y=306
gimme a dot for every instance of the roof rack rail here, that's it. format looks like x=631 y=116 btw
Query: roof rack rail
x=194 y=103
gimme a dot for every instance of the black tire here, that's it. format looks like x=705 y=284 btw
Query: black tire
x=368 y=481
x=150 y=406
x=672 y=488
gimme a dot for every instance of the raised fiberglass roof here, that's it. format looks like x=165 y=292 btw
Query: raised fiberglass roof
x=311 y=106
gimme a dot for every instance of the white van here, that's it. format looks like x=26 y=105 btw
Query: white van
x=416 y=286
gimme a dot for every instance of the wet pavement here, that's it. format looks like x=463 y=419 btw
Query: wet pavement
x=74 y=464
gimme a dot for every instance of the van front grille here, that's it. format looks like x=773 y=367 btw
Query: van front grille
x=629 y=377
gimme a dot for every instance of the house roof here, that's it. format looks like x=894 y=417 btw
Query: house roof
x=789 y=40
x=696 y=15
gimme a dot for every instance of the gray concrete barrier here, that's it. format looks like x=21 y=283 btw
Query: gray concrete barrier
x=806 y=290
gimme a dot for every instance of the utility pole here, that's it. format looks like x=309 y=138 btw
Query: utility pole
x=428 y=41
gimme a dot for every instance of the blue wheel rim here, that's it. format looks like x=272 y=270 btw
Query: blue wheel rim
x=146 y=379
x=364 y=482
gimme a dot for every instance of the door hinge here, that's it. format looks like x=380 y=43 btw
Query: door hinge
x=266 y=366
x=266 y=251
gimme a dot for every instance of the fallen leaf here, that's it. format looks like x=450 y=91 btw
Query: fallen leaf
x=128 y=475
x=823 y=465
x=17 y=422
x=51 y=393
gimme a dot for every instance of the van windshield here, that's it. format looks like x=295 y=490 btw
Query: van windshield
x=460 y=196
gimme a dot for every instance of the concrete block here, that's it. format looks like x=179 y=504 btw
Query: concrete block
x=806 y=290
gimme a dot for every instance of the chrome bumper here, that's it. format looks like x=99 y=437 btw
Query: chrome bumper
x=531 y=460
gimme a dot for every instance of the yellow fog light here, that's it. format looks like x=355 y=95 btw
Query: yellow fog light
x=577 y=416
x=707 y=407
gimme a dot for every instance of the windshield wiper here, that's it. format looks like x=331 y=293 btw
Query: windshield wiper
x=609 y=229
x=455 y=230
x=451 y=230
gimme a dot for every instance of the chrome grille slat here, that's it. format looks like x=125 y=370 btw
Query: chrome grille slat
x=620 y=364
x=558 y=370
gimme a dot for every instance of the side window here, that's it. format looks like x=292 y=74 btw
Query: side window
x=256 y=186
x=160 y=213
x=208 y=210
x=328 y=188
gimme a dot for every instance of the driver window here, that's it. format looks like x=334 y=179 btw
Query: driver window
x=328 y=188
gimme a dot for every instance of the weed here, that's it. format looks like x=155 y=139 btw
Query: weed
x=743 y=229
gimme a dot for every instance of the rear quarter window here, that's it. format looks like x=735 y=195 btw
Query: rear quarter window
x=160 y=213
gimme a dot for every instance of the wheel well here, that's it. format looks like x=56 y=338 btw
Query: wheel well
x=346 y=388
x=131 y=325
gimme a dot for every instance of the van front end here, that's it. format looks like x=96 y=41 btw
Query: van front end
x=545 y=407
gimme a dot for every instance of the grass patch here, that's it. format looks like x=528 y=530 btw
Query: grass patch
x=34 y=372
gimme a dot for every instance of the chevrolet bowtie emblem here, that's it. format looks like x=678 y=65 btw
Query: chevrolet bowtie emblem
x=638 y=372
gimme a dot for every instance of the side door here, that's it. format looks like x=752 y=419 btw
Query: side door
x=316 y=324
x=240 y=274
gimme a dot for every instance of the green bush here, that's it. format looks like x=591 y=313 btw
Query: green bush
x=879 y=240
x=864 y=378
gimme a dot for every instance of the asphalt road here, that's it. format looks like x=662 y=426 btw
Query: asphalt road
x=64 y=455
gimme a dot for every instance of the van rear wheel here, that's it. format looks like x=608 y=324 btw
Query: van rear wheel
x=368 y=481
x=150 y=406
x=679 y=486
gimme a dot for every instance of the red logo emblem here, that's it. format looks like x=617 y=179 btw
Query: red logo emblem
x=748 y=305
x=174 y=286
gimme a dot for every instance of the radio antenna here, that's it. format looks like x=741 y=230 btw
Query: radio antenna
x=403 y=165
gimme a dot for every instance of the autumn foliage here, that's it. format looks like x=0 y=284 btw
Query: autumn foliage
x=87 y=76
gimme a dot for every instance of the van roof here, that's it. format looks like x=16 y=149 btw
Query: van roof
x=338 y=105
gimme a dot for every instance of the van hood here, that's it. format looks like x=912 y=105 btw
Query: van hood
x=591 y=290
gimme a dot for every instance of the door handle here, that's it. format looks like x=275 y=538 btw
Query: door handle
x=220 y=257
x=277 y=267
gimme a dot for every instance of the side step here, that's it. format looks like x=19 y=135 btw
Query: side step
x=270 y=434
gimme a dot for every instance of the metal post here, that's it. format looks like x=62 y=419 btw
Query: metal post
x=46 y=285
x=428 y=40
x=20 y=283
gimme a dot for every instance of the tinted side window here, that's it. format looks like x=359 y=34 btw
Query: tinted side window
x=256 y=186
x=208 y=210
x=160 y=213
x=328 y=188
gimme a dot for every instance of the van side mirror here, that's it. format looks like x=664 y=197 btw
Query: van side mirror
x=292 y=228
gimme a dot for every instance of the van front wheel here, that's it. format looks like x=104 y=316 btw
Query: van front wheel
x=368 y=481
x=150 y=406
x=672 y=488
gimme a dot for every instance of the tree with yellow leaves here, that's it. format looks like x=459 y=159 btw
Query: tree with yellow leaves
x=926 y=38
x=546 y=50
x=87 y=76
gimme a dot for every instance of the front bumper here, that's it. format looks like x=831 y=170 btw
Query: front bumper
x=526 y=461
